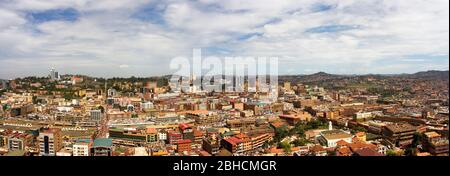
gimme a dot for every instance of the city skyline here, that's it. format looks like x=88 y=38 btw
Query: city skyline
x=122 y=39
x=151 y=76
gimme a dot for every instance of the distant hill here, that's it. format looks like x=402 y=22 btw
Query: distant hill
x=432 y=74
x=322 y=76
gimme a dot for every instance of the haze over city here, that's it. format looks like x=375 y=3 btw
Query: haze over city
x=139 y=38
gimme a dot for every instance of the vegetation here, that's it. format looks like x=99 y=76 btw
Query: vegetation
x=394 y=153
x=301 y=142
x=285 y=146
x=101 y=109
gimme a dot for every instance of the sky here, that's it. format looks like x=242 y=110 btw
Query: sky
x=122 y=38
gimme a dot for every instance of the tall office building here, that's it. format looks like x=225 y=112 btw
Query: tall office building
x=50 y=142
x=54 y=75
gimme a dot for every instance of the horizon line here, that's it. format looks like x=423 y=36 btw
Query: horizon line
x=293 y=74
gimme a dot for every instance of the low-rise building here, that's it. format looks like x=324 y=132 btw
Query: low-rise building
x=330 y=138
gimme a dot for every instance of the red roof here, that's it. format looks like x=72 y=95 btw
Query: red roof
x=175 y=134
x=367 y=152
x=184 y=141
x=184 y=126
x=233 y=140
x=151 y=130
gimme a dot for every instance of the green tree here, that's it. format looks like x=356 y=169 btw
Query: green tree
x=300 y=142
x=411 y=151
x=5 y=107
x=68 y=96
x=101 y=109
x=331 y=153
x=417 y=139
x=391 y=153
x=280 y=133
x=285 y=146
x=35 y=100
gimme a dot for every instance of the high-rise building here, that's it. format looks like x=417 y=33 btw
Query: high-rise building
x=50 y=142
x=54 y=75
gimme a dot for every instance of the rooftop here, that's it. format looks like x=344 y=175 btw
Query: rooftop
x=102 y=142
x=400 y=127
x=335 y=134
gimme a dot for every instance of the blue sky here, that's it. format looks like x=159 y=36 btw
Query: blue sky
x=140 y=37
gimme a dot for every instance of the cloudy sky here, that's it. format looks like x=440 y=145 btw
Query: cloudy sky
x=139 y=37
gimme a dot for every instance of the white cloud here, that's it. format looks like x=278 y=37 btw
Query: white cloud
x=106 y=35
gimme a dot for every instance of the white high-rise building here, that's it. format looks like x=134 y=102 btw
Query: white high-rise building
x=54 y=75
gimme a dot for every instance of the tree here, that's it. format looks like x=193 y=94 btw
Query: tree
x=359 y=129
x=5 y=107
x=280 y=133
x=285 y=146
x=391 y=153
x=35 y=100
x=101 y=109
x=417 y=139
x=331 y=153
x=68 y=96
x=300 y=142
x=411 y=151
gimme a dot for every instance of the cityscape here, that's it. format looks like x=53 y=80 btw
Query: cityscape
x=313 y=115
x=181 y=78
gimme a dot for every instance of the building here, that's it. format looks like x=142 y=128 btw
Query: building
x=198 y=136
x=399 y=134
x=258 y=139
x=112 y=92
x=330 y=138
x=82 y=147
x=67 y=151
x=54 y=75
x=187 y=131
x=361 y=136
x=162 y=135
x=256 y=107
x=293 y=118
x=96 y=115
x=247 y=142
x=203 y=116
x=133 y=136
x=362 y=116
x=19 y=141
x=233 y=144
x=287 y=86
x=50 y=142
x=152 y=135
x=102 y=147
x=435 y=143
x=184 y=145
x=173 y=137
x=211 y=145
x=367 y=152
x=239 y=123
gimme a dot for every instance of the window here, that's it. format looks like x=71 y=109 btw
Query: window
x=46 y=144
